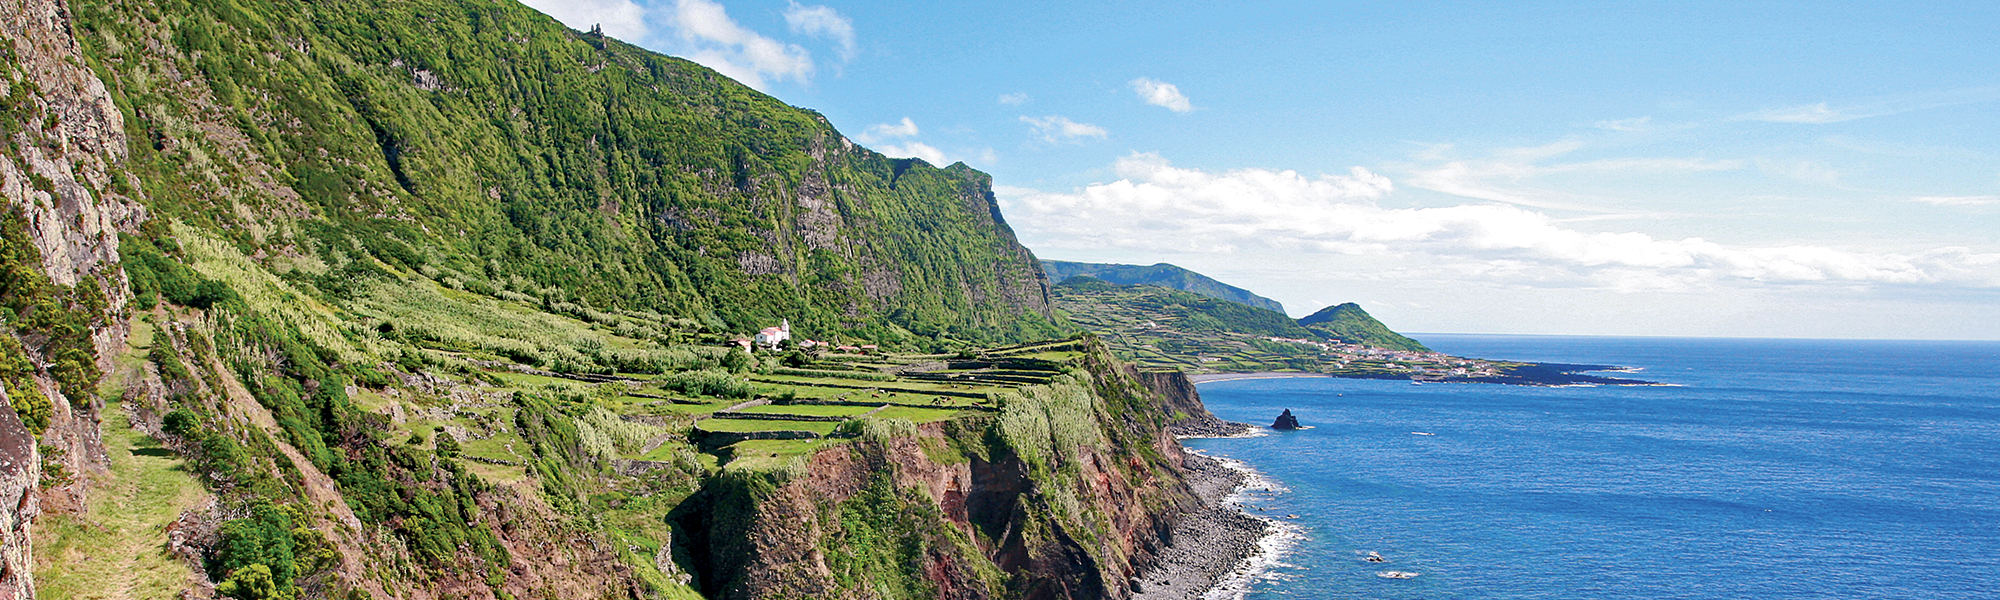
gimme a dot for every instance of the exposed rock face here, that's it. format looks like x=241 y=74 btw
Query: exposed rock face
x=62 y=159
x=1286 y=421
x=987 y=523
x=1183 y=401
x=20 y=470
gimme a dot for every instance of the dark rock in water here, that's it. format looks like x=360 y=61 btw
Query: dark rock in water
x=1286 y=421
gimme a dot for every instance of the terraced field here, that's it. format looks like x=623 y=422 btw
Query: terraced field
x=803 y=399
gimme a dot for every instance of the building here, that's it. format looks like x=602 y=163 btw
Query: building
x=770 y=337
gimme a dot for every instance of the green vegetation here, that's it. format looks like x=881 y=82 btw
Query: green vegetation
x=1168 y=329
x=1348 y=323
x=1161 y=274
x=353 y=147
x=98 y=554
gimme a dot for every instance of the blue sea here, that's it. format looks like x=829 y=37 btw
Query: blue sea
x=1765 y=469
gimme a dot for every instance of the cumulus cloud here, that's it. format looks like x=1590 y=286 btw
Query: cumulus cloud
x=713 y=39
x=885 y=131
x=917 y=150
x=1157 y=207
x=826 y=23
x=1056 y=129
x=621 y=19
x=1161 y=94
x=1014 y=99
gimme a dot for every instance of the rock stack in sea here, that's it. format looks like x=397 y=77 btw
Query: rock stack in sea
x=1286 y=421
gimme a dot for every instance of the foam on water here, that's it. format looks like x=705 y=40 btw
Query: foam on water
x=1771 y=469
x=1280 y=535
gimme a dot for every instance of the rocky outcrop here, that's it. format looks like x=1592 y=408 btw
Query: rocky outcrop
x=1181 y=400
x=60 y=170
x=1286 y=421
x=20 y=472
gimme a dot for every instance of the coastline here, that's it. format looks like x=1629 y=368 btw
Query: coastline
x=1220 y=549
x=1217 y=377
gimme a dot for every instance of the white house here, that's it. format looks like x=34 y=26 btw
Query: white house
x=771 y=336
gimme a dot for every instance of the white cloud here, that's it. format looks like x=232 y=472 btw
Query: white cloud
x=1014 y=99
x=1161 y=94
x=1957 y=200
x=717 y=41
x=1816 y=114
x=1158 y=208
x=915 y=149
x=823 y=22
x=1057 y=129
x=1823 y=113
x=1635 y=124
x=620 y=19
x=1506 y=175
x=884 y=131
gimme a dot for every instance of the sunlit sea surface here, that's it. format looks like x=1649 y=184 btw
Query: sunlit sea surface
x=1768 y=469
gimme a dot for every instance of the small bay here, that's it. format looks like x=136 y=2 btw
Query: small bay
x=1762 y=469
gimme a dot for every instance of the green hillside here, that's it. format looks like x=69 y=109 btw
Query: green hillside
x=1169 y=329
x=1348 y=323
x=1161 y=274
x=481 y=145
x=436 y=298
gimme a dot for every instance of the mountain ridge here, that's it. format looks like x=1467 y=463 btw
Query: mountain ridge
x=1161 y=274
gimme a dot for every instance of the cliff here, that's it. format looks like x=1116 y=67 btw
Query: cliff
x=1069 y=492
x=425 y=300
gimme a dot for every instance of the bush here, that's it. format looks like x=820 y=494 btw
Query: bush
x=707 y=382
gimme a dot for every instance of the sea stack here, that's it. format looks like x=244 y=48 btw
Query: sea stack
x=1286 y=421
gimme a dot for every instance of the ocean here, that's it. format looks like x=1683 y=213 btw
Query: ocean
x=1764 y=469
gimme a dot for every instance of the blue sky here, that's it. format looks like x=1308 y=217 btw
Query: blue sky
x=1816 y=169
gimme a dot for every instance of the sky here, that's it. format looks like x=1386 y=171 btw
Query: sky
x=1737 y=169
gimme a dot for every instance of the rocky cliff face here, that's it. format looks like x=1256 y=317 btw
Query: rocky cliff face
x=64 y=145
x=20 y=473
x=270 y=157
x=967 y=509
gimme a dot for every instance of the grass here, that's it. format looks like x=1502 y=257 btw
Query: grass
x=742 y=425
x=915 y=415
x=809 y=409
x=772 y=454
x=116 y=548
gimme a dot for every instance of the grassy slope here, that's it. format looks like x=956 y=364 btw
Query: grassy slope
x=1170 y=329
x=114 y=550
x=1163 y=275
x=486 y=146
x=1348 y=322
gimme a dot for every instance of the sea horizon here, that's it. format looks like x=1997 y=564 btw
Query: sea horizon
x=1771 y=468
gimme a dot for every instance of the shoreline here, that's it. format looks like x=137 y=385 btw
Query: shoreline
x=1525 y=374
x=1220 y=549
x=1219 y=377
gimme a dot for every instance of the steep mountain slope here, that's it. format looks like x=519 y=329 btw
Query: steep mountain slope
x=428 y=299
x=1349 y=323
x=486 y=146
x=1161 y=274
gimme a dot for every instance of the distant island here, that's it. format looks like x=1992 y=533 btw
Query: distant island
x=1163 y=328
